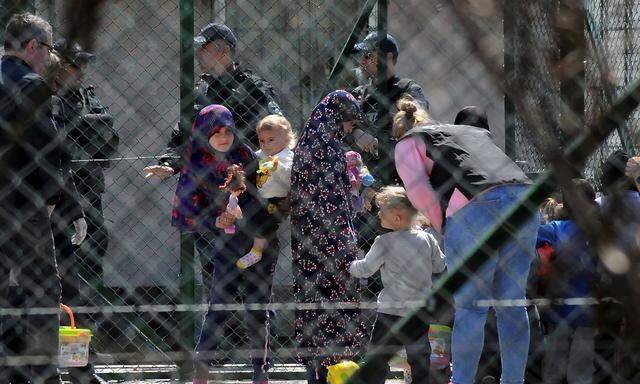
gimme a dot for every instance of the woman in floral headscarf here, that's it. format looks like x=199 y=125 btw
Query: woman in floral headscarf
x=199 y=207
x=323 y=237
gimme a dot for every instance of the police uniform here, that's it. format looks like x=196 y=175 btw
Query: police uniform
x=247 y=96
x=379 y=124
x=90 y=136
x=378 y=120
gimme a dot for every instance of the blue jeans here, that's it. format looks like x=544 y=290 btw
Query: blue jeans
x=503 y=277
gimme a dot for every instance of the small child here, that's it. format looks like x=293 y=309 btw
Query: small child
x=406 y=258
x=200 y=207
x=276 y=139
x=571 y=273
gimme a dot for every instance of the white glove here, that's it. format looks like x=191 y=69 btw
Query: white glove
x=80 y=226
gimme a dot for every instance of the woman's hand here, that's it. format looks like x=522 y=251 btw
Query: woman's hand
x=284 y=205
x=160 y=171
x=369 y=194
x=633 y=170
x=633 y=167
x=225 y=220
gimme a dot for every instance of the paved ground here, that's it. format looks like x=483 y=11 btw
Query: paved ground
x=234 y=382
x=145 y=374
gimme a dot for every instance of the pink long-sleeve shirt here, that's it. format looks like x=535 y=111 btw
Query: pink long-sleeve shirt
x=414 y=168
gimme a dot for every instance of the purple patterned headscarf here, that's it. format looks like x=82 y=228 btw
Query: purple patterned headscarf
x=198 y=200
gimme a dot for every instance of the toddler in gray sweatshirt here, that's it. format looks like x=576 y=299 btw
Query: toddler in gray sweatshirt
x=406 y=258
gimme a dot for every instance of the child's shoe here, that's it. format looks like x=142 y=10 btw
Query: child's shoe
x=407 y=375
x=249 y=259
x=199 y=381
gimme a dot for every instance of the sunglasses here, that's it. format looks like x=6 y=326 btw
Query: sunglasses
x=49 y=48
x=370 y=56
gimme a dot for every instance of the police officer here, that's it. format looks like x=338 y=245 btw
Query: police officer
x=89 y=135
x=68 y=211
x=378 y=108
x=223 y=81
x=30 y=183
x=373 y=138
x=91 y=138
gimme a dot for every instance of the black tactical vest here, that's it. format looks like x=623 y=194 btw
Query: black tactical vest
x=246 y=95
x=90 y=134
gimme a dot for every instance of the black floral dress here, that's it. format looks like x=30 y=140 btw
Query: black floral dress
x=324 y=240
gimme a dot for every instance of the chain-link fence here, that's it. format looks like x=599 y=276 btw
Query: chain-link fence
x=150 y=268
x=610 y=47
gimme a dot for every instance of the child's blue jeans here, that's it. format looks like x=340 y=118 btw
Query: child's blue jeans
x=503 y=277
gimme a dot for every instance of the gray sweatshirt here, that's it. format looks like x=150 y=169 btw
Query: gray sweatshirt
x=406 y=260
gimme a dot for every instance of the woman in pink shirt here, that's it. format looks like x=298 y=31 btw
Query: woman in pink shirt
x=462 y=182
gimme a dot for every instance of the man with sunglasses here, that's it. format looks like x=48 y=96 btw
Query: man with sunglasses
x=373 y=137
x=30 y=185
x=222 y=81
x=379 y=107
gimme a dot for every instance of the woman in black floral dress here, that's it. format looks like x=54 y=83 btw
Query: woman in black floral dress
x=324 y=241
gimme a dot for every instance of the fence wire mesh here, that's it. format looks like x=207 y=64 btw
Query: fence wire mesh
x=156 y=279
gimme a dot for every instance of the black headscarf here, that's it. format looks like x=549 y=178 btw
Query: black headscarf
x=472 y=115
x=613 y=173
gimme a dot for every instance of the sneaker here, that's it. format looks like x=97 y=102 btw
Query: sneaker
x=407 y=375
x=92 y=379
x=488 y=380
x=98 y=380
x=249 y=259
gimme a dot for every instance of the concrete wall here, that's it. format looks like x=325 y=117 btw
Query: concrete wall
x=291 y=44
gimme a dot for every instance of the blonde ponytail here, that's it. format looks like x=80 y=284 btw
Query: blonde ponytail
x=410 y=114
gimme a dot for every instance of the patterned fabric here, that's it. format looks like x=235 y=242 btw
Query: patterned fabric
x=198 y=199
x=323 y=236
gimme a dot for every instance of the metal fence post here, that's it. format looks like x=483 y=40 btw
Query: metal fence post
x=569 y=29
x=187 y=282
x=345 y=54
x=608 y=86
x=509 y=30
x=381 y=70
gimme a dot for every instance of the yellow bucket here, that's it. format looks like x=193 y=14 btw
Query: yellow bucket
x=74 y=343
x=341 y=372
x=440 y=341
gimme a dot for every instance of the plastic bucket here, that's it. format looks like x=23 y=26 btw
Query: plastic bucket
x=341 y=372
x=74 y=343
x=440 y=342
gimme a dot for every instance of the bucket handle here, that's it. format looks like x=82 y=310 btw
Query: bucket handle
x=68 y=311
